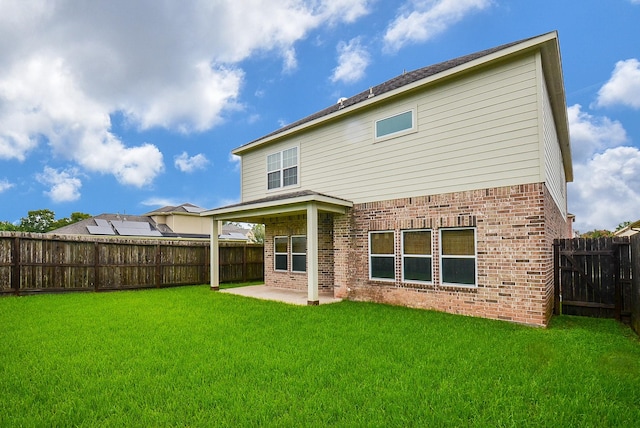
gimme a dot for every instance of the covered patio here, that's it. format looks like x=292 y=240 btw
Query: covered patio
x=285 y=295
x=307 y=204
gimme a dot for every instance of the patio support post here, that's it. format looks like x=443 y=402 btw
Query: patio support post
x=214 y=254
x=312 y=254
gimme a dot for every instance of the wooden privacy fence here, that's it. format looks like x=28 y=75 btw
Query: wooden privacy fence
x=635 y=287
x=593 y=277
x=51 y=263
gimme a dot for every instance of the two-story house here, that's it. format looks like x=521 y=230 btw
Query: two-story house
x=442 y=188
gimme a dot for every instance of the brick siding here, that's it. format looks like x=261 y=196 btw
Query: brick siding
x=515 y=227
x=295 y=226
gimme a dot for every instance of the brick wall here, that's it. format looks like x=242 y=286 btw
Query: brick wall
x=555 y=228
x=514 y=228
x=295 y=226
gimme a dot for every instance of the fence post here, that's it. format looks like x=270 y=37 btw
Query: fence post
x=96 y=266
x=617 y=311
x=244 y=263
x=158 y=265
x=16 y=268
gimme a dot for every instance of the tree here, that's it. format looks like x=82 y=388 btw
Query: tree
x=257 y=233
x=596 y=233
x=38 y=221
x=74 y=218
x=623 y=225
x=8 y=226
x=42 y=221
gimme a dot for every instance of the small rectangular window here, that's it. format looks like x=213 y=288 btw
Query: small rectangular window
x=458 y=257
x=282 y=168
x=382 y=260
x=281 y=252
x=416 y=256
x=394 y=124
x=298 y=253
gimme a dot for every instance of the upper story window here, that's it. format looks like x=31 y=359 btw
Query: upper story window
x=395 y=125
x=282 y=168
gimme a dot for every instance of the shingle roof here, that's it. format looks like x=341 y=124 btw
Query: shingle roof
x=184 y=208
x=394 y=83
x=229 y=231
x=279 y=197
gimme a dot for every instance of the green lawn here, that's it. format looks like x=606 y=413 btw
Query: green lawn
x=191 y=357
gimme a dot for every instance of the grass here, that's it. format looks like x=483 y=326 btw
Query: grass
x=191 y=357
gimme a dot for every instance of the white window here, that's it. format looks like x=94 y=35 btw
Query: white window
x=282 y=168
x=458 y=257
x=382 y=259
x=396 y=125
x=298 y=254
x=281 y=253
x=416 y=256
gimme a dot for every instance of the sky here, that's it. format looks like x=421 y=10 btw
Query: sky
x=125 y=106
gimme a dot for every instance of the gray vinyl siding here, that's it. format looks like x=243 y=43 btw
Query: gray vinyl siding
x=554 y=170
x=474 y=132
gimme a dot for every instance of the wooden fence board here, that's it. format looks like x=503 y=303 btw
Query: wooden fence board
x=42 y=262
x=593 y=276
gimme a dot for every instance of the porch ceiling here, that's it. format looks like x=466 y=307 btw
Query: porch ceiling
x=286 y=204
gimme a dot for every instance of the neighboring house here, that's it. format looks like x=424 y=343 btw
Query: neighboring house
x=183 y=221
x=629 y=230
x=442 y=188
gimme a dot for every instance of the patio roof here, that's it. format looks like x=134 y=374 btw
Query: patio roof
x=258 y=210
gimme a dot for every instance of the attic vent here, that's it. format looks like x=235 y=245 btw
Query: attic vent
x=341 y=102
x=371 y=94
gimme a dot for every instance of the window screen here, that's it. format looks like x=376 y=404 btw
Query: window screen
x=381 y=255
x=299 y=253
x=416 y=256
x=281 y=252
x=458 y=256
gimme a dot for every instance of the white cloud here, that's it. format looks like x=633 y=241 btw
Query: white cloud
x=624 y=85
x=353 y=60
x=64 y=70
x=5 y=185
x=43 y=99
x=591 y=134
x=236 y=161
x=186 y=163
x=160 y=202
x=421 y=20
x=65 y=185
x=606 y=189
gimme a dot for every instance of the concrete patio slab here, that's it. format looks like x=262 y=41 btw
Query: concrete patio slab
x=293 y=297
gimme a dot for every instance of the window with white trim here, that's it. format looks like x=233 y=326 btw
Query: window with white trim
x=458 y=260
x=281 y=253
x=416 y=256
x=298 y=254
x=398 y=124
x=282 y=168
x=382 y=259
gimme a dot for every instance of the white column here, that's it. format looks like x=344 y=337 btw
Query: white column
x=312 y=254
x=215 y=254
